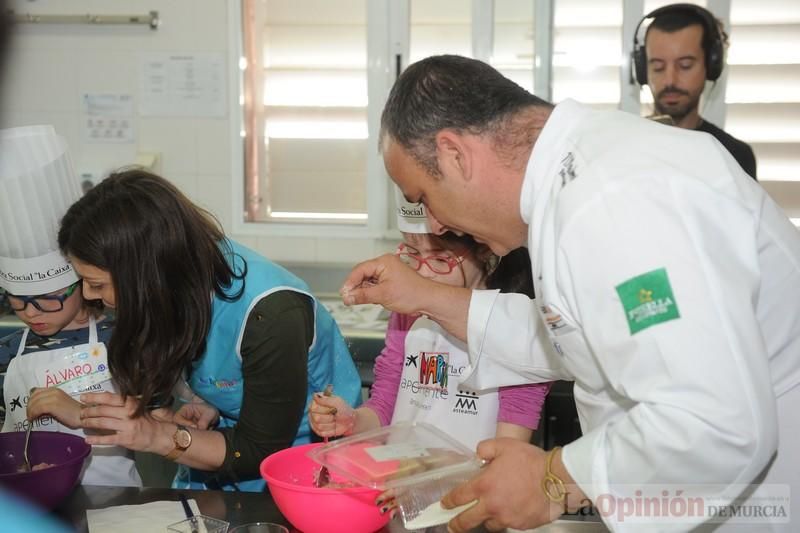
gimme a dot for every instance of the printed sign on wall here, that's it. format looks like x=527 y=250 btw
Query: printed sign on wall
x=182 y=85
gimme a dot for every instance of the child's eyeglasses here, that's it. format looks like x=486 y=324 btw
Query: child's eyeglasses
x=438 y=264
x=46 y=303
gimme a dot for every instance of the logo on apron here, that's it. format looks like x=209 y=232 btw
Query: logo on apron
x=466 y=403
x=433 y=366
x=73 y=369
x=433 y=370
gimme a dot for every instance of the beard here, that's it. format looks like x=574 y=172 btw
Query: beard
x=677 y=111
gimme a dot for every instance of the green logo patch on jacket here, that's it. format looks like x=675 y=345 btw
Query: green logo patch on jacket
x=648 y=300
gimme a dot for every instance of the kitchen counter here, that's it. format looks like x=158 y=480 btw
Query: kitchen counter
x=364 y=329
x=9 y=323
x=234 y=507
x=566 y=526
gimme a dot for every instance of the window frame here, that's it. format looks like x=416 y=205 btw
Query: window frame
x=387 y=37
x=379 y=81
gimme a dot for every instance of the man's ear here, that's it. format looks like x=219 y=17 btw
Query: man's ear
x=452 y=153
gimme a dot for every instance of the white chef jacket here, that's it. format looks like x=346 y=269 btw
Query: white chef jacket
x=695 y=380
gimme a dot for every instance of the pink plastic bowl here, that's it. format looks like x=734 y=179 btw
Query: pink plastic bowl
x=49 y=486
x=290 y=476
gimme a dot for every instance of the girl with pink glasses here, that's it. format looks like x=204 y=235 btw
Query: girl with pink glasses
x=418 y=373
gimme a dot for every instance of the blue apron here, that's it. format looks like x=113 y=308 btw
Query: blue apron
x=217 y=376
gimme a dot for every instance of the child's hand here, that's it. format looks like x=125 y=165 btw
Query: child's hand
x=330 y=416
x=56 y=403
x=199 y=415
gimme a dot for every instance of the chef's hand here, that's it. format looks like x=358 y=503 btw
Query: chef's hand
x=198 y=415
x=56 y=403
x=108 y=412
x=508 y=490
x=330 y=416
x=387 y=281
x=391 y=283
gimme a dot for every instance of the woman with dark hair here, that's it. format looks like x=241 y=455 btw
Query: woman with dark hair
x=248 y=338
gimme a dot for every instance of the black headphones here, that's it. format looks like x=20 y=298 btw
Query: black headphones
x=714 y=51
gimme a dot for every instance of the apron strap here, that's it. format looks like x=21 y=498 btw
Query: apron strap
x=92 y=329
x=22 y=342
x=92 y=335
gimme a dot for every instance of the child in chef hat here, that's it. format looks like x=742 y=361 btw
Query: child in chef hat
x=400 y=392
x=61 y=350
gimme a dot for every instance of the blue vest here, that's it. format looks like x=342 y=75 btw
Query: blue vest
x=217 y=375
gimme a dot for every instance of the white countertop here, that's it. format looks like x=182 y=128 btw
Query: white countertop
x=559 y=526
x=358 y=319
x=566 y=526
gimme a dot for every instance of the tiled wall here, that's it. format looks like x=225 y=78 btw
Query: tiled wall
x=52 y=66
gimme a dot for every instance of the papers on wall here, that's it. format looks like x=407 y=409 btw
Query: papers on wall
x=108 y=118
x=182 y=85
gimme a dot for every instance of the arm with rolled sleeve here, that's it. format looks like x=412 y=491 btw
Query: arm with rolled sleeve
x=521 y=405
x=695 y=392
x=508 y=343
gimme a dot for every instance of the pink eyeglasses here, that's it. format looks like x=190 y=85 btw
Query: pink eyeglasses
x=439 y=264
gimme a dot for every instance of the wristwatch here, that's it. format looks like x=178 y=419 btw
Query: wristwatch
x=182 y=439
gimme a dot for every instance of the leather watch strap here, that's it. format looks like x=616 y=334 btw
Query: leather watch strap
x=181 y=433
x=175 y=453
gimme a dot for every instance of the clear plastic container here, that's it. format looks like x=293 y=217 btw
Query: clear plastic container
x=417 y=461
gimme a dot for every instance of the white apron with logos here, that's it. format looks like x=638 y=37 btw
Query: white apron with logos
x=75 y=370
x=430 y=387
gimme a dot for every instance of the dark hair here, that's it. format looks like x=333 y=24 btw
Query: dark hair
x=513 y=273
x=166 y=257
x=480 y=251
x=451 y=92
x=96 y=308
x=676 y=19
x=510 y=273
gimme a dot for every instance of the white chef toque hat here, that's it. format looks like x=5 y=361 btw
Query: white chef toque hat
x=37 y=186
x=411 y=218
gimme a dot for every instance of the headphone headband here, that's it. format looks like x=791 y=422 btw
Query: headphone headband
x=714 y=50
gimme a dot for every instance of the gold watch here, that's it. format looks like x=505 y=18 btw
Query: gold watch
x=182 y=439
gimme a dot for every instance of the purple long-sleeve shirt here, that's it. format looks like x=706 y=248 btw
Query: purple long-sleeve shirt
x=520 y=404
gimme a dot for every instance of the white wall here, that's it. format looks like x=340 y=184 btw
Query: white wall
x=51 y=67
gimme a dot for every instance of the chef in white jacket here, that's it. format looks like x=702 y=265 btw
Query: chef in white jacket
x=668 y=290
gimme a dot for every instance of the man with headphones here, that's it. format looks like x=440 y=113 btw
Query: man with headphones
x=683 y=47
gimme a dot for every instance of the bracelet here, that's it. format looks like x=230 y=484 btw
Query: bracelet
x=552 y=485
x=351 y=414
